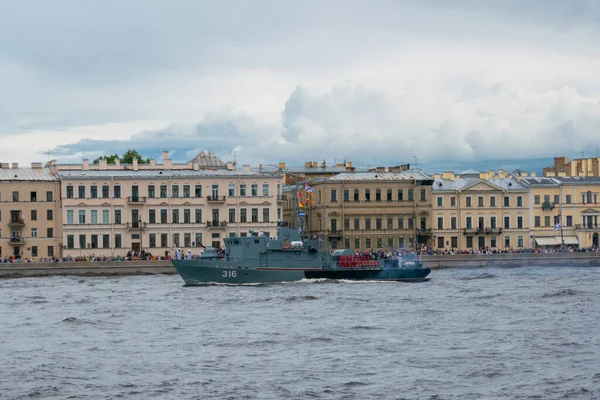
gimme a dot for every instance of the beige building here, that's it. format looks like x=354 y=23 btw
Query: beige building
x=30 y=218
x=474 y=210
x=110 y=209
x=578 y=167
x=565 y=208
x=365 y=210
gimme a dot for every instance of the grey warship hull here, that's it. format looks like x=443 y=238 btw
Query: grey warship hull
x=198 y=272
x=289 y=258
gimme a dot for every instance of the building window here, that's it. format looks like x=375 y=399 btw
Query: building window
x=164 y=240
x=82 y=241
x=265 y=189
x=493 y=242
x=346 y=195
x=105 y=241
x=243 y=215
x=367 y=195
x=356 y=224
x=453 y=224
x=440 y=201
x=50 y=251
x=452 y=201
x=440 y=223
x=378 y=224
x=94 y=216
x=254 y=190
x=231 y=215
x=117 y=217
x=175 y=219
x=70 y=241
x=49 y=196
x=255 y=215
x=400 y=223
x=266 y=215
x=118 y=241
x=357 y=243
x=546 y=221
x=81 y=192
x=520 y=222
x=49 y=215
x=105 y=194
x=186 y=191
x=333 y=195
x=468 y=203
x=536 y=199
x=454 y=242
x=492 y=201
x=198 y=213
x=69 y=192
x=368 y=242
x=243 y=190
x=367 y=223
x=556 y=199
x=231 y=190
x=198 y=191
x=569 y=220
x=50 y=232
x=151 y=191
x=469 y=223
x=94 y=192
x=82 y=216
x=520 y=241
x=33 y=196
x=106 y=217
x=389 y=195
x=480 y=201
x=176 y=239
x=187 y=239
x=163 y=191
x=33 y=232
x=506 y=222
x=117 y=192
x=411 y=223
x=377 y=194
x=174 y=191
x=506 y=241
x=469 y=242
x=333 y=225
x=400 y=195
x=163 y=216
x=346 y=224
x=390 y=223
x=34 y=215
x=187 y=216
x=356 y=195
x=506 y=201
x=410 y=195
x=423 y=195
x=537 y=222
x=152 y=240
x=34 y=251
x=493 y=222
x=151 y=216
x=198 y=239
x=94 y=241
x=70 y=217
x=568 y=199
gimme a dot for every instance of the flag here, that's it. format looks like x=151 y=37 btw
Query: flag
x=301 y=204
x=556 y=227
x=300 y=194
x=308 y=200
x=308 y=188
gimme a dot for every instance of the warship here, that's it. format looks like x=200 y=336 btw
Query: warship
x=288 y=257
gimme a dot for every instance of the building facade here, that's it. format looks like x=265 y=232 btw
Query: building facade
x=578 y=167
x=565 y=209
x=111 y=209
x=364 y=211
x=474 y=210
x=30 y=215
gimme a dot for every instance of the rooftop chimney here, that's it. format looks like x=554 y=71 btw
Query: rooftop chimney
x=281 y=165
x=5 y=165
x=15 y=165
x=85 y=164
x=135 y=164
x=165 y=155
x=36 y=165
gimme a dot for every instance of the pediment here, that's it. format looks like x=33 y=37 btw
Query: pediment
x=105 y=205
x=164 y=204
x=590 y=211
x=481 y=186
x=244 y=203
x=265 y=203
x=187 y=204
x=334 y=214
x=81 y=205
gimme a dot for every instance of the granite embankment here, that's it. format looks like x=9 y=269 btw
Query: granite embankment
x=98 y=268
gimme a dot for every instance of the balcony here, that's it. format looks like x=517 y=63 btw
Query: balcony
x=136 y=225
x=17 y=241
x=281 y=197
x=136 y=200
x=216 y=224
x=16 y=223
x=586 y=226
x=424 y=231
x=334 y=234
x=471 y=231
x=547 y=206
x=493 y=231
x=215 y=199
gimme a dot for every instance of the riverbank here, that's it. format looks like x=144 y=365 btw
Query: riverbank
x=112 y=268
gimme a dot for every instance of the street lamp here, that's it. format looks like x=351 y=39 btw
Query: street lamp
x=141 y=236
x=562 y=240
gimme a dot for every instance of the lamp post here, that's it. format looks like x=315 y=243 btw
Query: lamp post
x=141 y=236
x=562 y=239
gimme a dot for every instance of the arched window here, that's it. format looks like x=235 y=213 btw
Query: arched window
x=589 y=196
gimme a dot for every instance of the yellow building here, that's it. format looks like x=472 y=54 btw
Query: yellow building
x=30 y=217
x=566 y=206
x=578 y=167
x=364 y=211
x=109 y=209
x=474 y=210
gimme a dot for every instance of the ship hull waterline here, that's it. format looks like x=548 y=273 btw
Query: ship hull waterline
x=194 y=274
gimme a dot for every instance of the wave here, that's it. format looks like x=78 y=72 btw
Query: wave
x=563 y=292
x=365 y=327
x=297 y=298
x=482 y=276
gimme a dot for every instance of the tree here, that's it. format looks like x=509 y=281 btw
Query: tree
x=126 y=158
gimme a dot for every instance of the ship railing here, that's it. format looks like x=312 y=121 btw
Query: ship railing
x=357 y=262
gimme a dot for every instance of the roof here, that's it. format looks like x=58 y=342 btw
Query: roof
x=158 y=173
x=509 y=183
x=411 y=175
x=470 y=172
x=541 y=181
x=208 y=160
x=304 y=170
x=26 y=174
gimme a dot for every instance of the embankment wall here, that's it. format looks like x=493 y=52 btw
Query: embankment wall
x=512 y=260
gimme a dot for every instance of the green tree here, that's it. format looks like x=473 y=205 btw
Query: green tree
x=126 y=158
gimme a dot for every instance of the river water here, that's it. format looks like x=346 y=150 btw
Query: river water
x=522 y=333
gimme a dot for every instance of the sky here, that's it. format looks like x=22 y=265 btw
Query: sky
x=450 y=84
